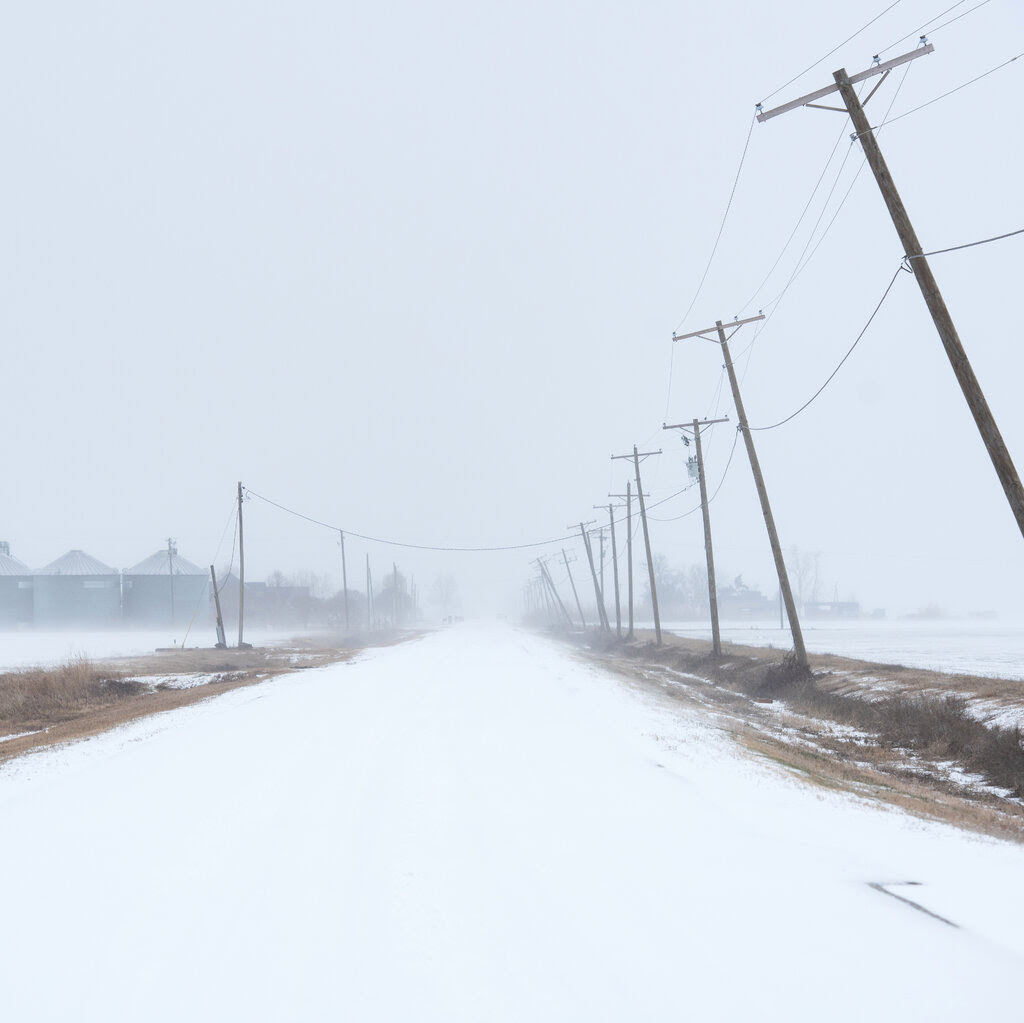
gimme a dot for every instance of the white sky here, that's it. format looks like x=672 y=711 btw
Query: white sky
x=413 y=269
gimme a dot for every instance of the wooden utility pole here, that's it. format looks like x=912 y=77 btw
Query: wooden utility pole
x=170 y=568
x=755 y=467
x=241 y=569
x=221 y=638
x=636 y=456
x=370 y=624
x=983 y=418
x=628 y=497
x=716 y=635
x=344 y=581
x=549 y=582
x=629 y=553
x=593 y=574
x=572 y=583
x=615 y=574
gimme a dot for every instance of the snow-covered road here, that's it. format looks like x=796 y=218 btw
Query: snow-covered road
x=476 y=826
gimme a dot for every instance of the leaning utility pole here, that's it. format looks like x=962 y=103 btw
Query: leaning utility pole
x=983 y=418
x=221 y=638
x=241 y=569
x=615 y=574
x=636 y=456
x=629 y=553
x=549 y=582
x=716 y=635
x=344 y=580
x=572 y=583
x=755 y=467
x=593 y=574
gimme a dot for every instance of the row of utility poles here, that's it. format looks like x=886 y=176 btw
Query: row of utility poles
x=372 y=620
x=916 y=260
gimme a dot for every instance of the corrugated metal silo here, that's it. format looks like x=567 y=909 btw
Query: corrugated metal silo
x=76 y=589
x=165 y=589
x=15 y=590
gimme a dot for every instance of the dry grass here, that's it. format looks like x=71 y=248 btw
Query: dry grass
x=78 y=699
x=45 y=696
x=911 y=730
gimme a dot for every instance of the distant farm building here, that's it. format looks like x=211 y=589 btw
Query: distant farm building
x=165 y=589
x=76 y=589
x=15 y=589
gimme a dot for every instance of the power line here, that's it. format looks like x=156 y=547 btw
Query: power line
x=802 y=263
x=969 y=245
x=946 y=95
x=833 y=50
x=693 y=511
x=721 y=227
x=408 y=546
x=885 y=295
x=917 y=32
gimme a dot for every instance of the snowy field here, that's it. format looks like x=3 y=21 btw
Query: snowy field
x=477 y=826
x=41 y=648
x=991 y=648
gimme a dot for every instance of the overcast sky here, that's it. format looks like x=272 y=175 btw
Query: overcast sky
x=413 y=269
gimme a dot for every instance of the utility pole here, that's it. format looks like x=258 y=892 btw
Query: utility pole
x=549 y=583
x=636 y=456
x=241 y=570
x=914 y=254
x=593 y=574
x=716 y=635
x=394 y=595
x=615 y=574
x=572 y=583
x=629 y=553
x=628 y=497
x=344 y=580
x=171 y=551
x=221 y=638
x=369 y=597
x=755 y=467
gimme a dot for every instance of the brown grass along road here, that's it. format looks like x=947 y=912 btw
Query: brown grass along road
x=947 y=747
x=80 y=698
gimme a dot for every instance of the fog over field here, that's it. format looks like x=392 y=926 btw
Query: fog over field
x=412 y=270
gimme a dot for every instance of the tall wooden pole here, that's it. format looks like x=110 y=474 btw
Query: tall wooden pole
x=716 y=635
x=716 y=638
x=221 y=638
x=369 y=596
x=647 y=545
x=550 y=583
x=986 y=423
x=629 y=554
x=572 y=583
x=593 y=574
x=241 y=569
x=773 y=537
x=615 y=575
x=344 y=581
x=170 y=568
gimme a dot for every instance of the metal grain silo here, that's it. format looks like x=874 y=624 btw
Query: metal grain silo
x=15 y=589
x=165 y=589
x=76 y=589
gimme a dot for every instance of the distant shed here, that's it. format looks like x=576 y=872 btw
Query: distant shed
x=76 y=589
x=165 y=589
x=16 y=605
